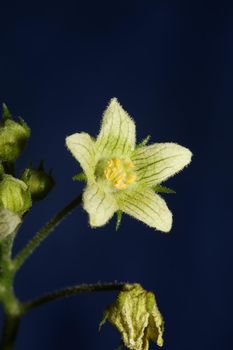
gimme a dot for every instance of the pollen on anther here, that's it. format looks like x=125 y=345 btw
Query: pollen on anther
x=130 y=178
x=118 y=171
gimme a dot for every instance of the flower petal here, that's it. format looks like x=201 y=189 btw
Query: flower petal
x=82 y=148
x=117 y=134
x=8 y=222
x=158 y=162
x=100 y=205
x=148 y=207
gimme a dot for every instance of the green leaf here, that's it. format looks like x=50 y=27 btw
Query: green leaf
x=6 y=114
x=119 y=218
x=163 y=189
x=79 y=177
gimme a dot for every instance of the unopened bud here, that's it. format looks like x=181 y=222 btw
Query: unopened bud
x=13 y=136
x=39 y=182
x=14 y=195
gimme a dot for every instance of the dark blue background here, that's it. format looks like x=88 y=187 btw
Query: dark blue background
x=170 y=63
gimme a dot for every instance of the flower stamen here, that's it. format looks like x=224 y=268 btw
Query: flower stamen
x=120 y=173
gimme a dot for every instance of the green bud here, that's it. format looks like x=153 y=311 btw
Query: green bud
x=13 y=137
x=39 y=182
x=136 y=316
x=14 y=195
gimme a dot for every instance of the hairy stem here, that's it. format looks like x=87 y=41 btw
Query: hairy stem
x=71 y=291
x=44 y=232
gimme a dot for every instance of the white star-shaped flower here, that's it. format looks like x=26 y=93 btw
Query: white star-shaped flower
x=122 y=176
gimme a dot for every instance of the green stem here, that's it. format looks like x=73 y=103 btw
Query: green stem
x=70 y=291
x=44 y=232
x=10 y=330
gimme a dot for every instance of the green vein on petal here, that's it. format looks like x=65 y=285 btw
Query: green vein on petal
x=117 y=133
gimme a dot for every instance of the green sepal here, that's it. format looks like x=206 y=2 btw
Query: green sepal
x=163 y=189
x=25 y=126
x=80 y=177
x=119 y=218
x=144 y=142
x=6 y=114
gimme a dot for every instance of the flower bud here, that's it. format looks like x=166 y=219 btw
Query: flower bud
x=136 y=316
x=14 y=195
x=13 y=137
x=39 y=182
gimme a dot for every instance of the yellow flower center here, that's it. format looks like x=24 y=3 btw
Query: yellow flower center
x=120 y=173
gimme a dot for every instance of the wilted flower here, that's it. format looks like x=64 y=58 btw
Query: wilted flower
x=121 y=176
x=136 y=316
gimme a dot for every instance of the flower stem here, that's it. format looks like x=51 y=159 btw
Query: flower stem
x=70 y=291
x=44 y=232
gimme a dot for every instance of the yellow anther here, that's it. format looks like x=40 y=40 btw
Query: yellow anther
x=130 y=178
x=128 y=163
x=121 y=186
x=119 y=178
x=118 y=171
x=113 y=174
x=117 y=162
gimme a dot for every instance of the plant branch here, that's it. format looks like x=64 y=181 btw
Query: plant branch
x=10 y=330
x=44 y=232
x=70 y=291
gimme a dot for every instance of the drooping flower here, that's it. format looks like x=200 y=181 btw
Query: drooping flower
x=136 y=316
x=120 y=175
